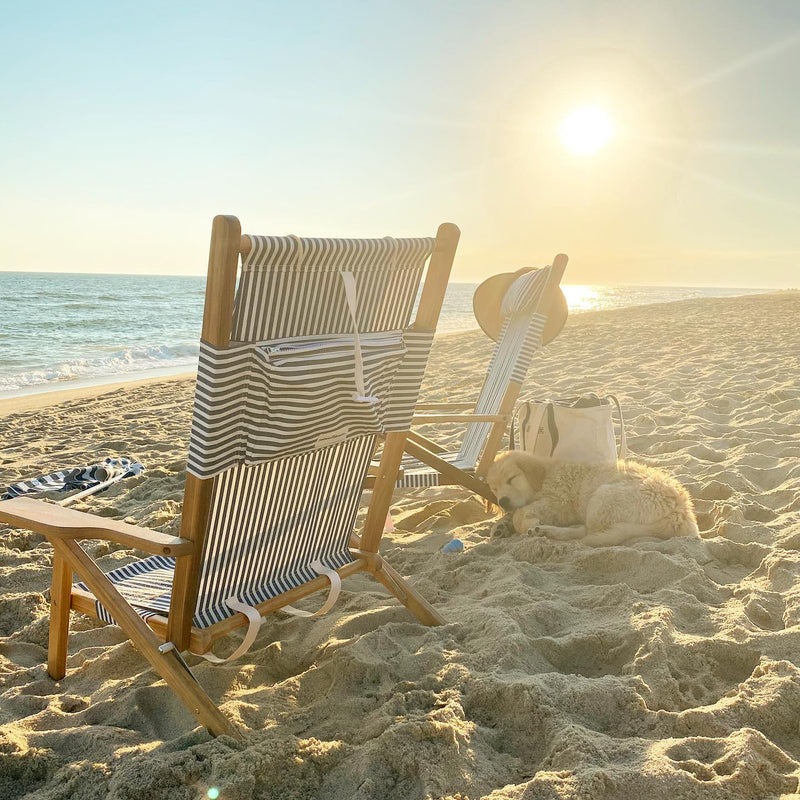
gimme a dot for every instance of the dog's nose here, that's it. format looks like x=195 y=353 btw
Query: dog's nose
x=505 y=503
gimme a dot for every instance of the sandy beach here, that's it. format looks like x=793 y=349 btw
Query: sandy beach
x=658 y=670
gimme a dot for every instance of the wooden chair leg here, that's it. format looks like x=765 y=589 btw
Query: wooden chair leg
x=165 y=663
x=59 y=618
x=408 y=596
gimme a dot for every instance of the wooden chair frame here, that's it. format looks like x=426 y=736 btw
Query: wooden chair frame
x=429 y=452
x=64 y=528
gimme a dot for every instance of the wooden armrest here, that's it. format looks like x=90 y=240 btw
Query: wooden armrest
x=445 y=406
x=53 y=520
x=432 y=419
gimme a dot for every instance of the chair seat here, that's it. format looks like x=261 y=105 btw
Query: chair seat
x=146 y=585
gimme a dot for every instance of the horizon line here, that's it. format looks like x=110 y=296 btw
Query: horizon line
x=203 y=275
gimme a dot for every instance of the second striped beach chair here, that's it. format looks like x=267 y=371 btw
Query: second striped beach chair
x=522 y=311
x=303 y=364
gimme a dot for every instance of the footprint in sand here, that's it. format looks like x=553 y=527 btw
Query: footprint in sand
x=682 y=676
x=592 y=655
x=703 y=453
x=70 y=704
x=766 y=476
x=703 y=758
x=755 y=512
x=715 y=490
x=508 y=717
x=19 y=610
x=786 y=406
x=766 y=610
x=746 y=759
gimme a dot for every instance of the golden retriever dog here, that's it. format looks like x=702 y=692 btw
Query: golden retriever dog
x=598 y=504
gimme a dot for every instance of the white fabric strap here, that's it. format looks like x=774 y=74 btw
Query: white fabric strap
x=333 y=594
x=256 y=620
x=360 y=395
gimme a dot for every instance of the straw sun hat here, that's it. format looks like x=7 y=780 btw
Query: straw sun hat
x=488 y=300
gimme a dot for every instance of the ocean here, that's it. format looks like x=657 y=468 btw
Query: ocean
x=61 y=330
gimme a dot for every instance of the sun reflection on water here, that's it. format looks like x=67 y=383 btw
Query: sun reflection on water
x=583 y=297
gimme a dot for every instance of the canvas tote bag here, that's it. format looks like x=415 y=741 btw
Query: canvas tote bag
x=572 y=429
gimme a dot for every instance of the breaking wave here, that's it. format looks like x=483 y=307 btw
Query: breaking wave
x=119 y=362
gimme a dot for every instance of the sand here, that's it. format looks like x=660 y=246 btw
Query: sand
x=654 y=670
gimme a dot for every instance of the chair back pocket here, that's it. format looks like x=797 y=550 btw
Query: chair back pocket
x=303 y=394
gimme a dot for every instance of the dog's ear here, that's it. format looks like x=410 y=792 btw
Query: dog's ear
x=495 y=470
x=533 y=470
x=501 y=457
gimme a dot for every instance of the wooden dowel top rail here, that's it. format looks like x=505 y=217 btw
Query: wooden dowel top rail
x=246 y=244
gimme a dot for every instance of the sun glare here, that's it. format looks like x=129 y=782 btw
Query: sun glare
x=585 y=130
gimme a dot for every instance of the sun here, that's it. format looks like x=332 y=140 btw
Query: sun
x=585 y=130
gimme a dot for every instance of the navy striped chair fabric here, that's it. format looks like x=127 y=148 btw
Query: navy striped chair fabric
x=284 y=495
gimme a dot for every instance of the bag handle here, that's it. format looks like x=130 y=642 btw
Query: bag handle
x=531 y=421
x=551 y=424
x=515 y=420
x=333 y=594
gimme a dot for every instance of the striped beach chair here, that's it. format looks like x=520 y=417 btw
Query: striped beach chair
x=523 y=312
x=304 y=363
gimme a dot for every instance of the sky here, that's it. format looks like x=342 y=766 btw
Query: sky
x=125 y=127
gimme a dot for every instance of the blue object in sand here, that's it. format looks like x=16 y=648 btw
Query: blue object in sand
x=454 y=546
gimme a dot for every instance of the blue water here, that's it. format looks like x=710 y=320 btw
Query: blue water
x=57 y=328
x=63 y=327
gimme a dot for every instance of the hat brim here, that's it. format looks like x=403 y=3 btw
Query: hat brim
x=488 y=299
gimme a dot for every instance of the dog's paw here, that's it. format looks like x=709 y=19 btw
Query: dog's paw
x=525 y=521
x=503 y=528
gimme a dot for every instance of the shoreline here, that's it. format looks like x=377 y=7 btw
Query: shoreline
x=51 y=393
x=83 y=390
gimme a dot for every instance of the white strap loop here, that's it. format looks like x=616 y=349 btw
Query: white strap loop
x=333 y=594
x=360 y=395
x=256 y=620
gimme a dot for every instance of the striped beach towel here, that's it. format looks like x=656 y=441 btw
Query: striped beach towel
x=69 y=480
